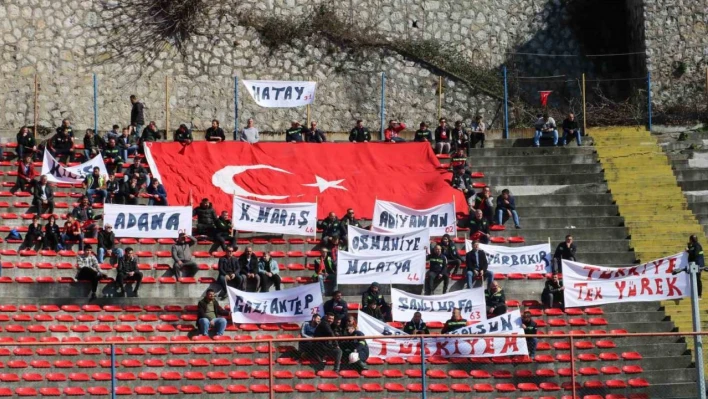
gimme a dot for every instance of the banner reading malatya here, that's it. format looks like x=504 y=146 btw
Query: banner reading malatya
x=365 y=241
x=587 y=285
x=395 y=268
x=267 y=217
x=439 y=307
x=58 y=173
x=281 y=93
x=524 y=260
x=391 y=217
x=292 y=305
x=148 y=221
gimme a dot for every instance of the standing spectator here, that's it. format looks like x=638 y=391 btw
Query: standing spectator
x=150 y=133
x=483 y=201
x=229 y=273
x=348 y=220
x=354 y=346
x=52 y=235
x=66 y=126
x=268 y=272
x=83 y=213
x=248 y=262
x=112 y=157
x=61 y=145
x=571 y=129
x=308 y=331
x=183 y=135
x=442 y=137
x=359 y=134
x=182 y=256
x=477 y=267
x=331 y=227
x=326 y=267
x=72 y=232
x=25 y=175
x=373 y=294
x=107 y=245
x=545 y=125
x=126 y=145
x=455 y=322
x=295 y=133
x=450 y=252
x=93 y=144
x=460 y=139
x=530 y=330
x=423 y=135
x=137 y=114
x=89 y=270
x=326 y=348
x=128 y=272
x=250 y=133
x=495 y=300
x=206 y=218
x=94 y=184
x=34 y=235
x=416 y=326
x=157 y=194
x=215 y=133
x=565 y=250
x=43 y=196
x=26 y=143
x=137 y=170
x=695 y=255
x=438 y=271
x=113 y=134
x=478 y=131
x=479 y=227
x=552 y=292
x=337 y=307
x=314 y=134
x=391 y=133
x=209 y=314
x=224 y=232
x=506 y=208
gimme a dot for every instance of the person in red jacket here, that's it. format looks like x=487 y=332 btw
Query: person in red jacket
x=391 y=133
x=72 y=232
x=25 y=175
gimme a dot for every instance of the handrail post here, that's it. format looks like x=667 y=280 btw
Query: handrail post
x=506 y=104
x=113 y=371
x=383 y=105
x=95 y=104
x=649 y=100
x=235 y=108
x=572 y=366
x=423 y=381
x=271 y=390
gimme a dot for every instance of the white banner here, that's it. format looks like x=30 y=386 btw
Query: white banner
x=281 y=93
x=524 y=260
x=292 y=305
x=382 y=347
x=138 y=221
x=365 y=241
x=266 y=217
x=439 y=307
x=394 y=218
x=151 y=162
x=58 y=173
x=587 y=285
x=396 y=268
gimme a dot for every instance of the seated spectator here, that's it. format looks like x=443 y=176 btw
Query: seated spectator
x=483 y=201
x=348 y=220
x=182 y=256
x=337 y=307
x=209 y=314
x=331 y=227
x=52 y=235
x=506 y=208
x=157 y=194
x=359 y=134
x=229 y=273
x=66 y=126
x=150 y=133
x=61 y=146
x=373 y=310
x=248 y=262
x=307 y=330
x=477 y=267
x=34 y=236
x=416 y=326
x=126 y=144
x=26 y=143
x=25 y=175
x=565 y=250
x=83 y=213
x=450 y=252
x=269 y=273
x=438 y=271
x=479 y=227
x=354 y=348
x=128 y=272
x=322 y=348
x=460 y=139
x=95 y=184
x=107 y=245
x=295 y=133
x=43 y=196
x=442 y=137
x=463 y=182
x=93 y=144
x=373 y=294
x=571 y=129
x=455 y=322
x=530 y=330
x=183 y=135
x=113 y=134
x=391 y=132
x=224 y=232
x=113 y=187
x=206 y=218
x=315 y=134
x=88 y=269
x=112 y=157
x=553 y=292
x=495 y=300
x=459 y=162
x=478 y=132
x=128 y=193
x=545 y=125
x=72 y=232
x=326 y=269
x=250 y=134
x=215 y=133
x=423 y=135
x=137 y=170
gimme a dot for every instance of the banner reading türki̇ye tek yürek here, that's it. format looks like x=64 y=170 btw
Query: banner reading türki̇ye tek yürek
x=391 y=217
x=266 y=217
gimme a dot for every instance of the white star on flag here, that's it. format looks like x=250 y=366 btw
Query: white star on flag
x=323 y=184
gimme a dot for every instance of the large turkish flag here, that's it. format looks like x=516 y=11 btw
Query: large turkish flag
x=336 y=175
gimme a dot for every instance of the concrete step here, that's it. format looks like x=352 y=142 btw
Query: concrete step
x=580 y=212
x=694 y=185
x=545 y=179
x=691 y=174
x=565 y=200
x=539 y=169
x=530 y=151
x=532 y=160
x=578 y=222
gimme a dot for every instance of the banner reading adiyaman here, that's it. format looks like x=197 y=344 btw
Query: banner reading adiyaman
x=587 y=285
x=281 y=93
x=439 y=307
x=394 y=218
x=265 y=217
x=292 y=305
x=365 y=241
x=58 y=173
x=524 y=260
x=148 y=221
x=396 y=268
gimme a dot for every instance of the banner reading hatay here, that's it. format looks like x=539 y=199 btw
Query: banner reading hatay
x=281 y=93
x=336 y=176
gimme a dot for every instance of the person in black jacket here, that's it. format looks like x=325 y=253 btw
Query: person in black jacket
x=126 y=144
x=183 y=135
x=455 y=322
x=128 y=272
x=34 y=234
x=530 y=330
x=331 y=227
x=327 y=348
x=695 y=255
x=565 y=250
x=438 y=271
x=107 y=245
x=83 y=213
x=61 y=145
x=359 y=134
x=373 y=294
x=495 y=299
x=416 y=326
x=479 y=227
x=215 y=133
x=552 y=292
x=26 y=143
x=442 y=137
x=357 y=346
x=423 y=135
x=229 y=272
x=128 y=192
x=570 y=129
x=450 y=252
x=52 y=234
x=338 y=307
x=149 y=134
x=206 y=218
x=43 y=196
x=248 y=262
x=477 y=267
x=137 y=114
x=137 y=170
x=295 y=133
x=93 y=144
x=314 y=134
x=506 y=208
x=348 y=220
x=209 y=314
x=224 y=232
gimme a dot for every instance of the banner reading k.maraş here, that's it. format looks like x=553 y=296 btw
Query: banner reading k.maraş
x=281 y=93
x=58 y=173
x=395 y=268
x=524 y=260
x=293 y=305
x=587 y=285
x=394 y=218
x=365 y=241
x=266 y=217
x=439 y=307
x=148 y=221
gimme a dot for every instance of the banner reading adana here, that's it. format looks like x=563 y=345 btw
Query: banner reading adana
x=148 y=221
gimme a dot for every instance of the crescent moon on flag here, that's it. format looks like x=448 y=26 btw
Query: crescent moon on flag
x=224 y=179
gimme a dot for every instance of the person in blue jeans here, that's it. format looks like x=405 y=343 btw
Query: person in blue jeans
x=477 y=267
x=571 y=129
x=506 y=208
x=530 y=330
x=95 y=185
x=208 y=315
x=545 y=125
